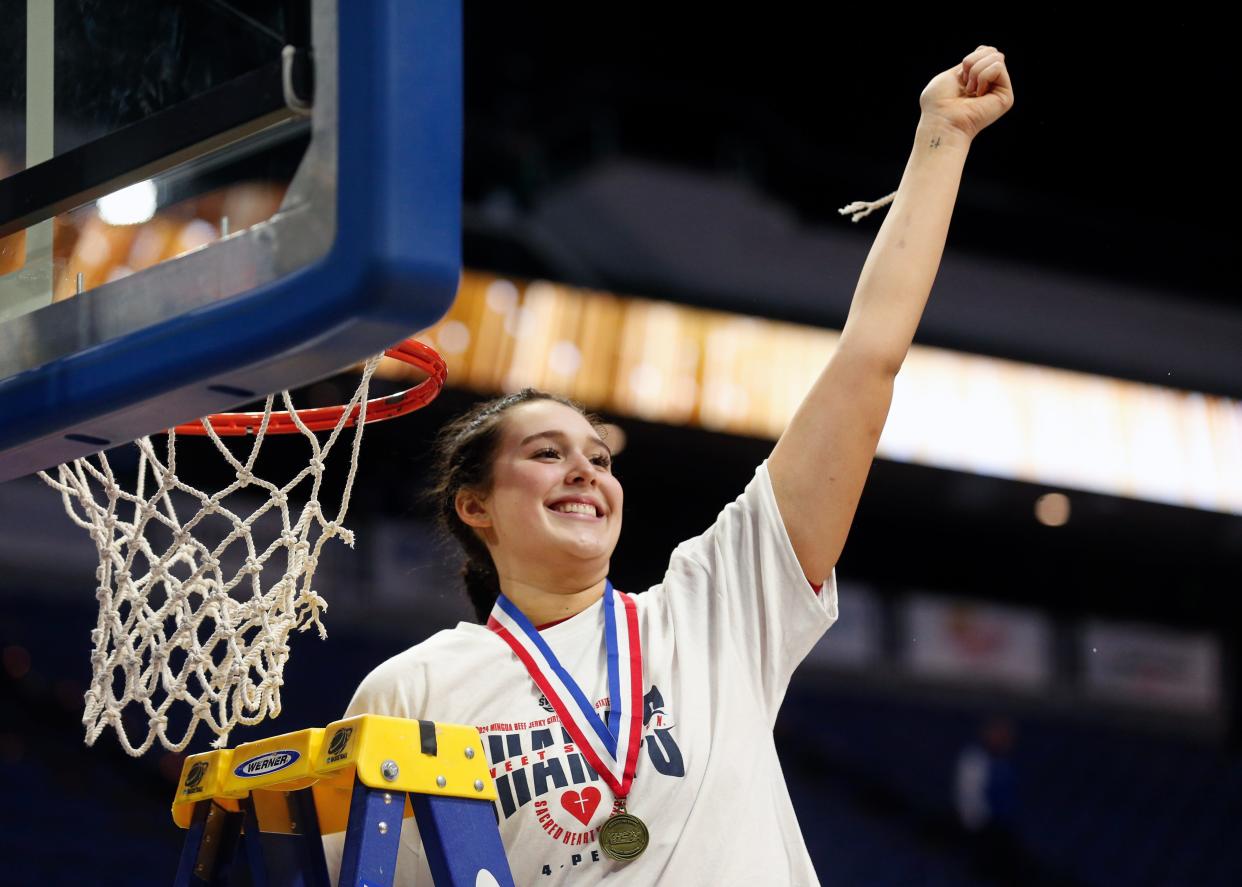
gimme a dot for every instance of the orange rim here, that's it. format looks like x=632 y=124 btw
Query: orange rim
x=414 y=353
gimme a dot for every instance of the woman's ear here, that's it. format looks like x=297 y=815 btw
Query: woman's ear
x=471 y=510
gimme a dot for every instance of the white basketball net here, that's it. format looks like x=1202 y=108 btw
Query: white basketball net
x=175 y=625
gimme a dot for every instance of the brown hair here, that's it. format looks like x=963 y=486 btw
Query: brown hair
x=464 y=456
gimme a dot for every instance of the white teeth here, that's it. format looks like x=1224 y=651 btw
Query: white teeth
x=575 y=508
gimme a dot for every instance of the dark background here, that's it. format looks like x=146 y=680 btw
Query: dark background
x=1113 y=162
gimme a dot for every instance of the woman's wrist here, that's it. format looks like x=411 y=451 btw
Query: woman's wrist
x=936 y=132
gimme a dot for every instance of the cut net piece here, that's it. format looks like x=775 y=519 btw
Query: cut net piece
x=863 y=208
x=179 y=620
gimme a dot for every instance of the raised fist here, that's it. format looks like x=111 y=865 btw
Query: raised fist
x=972 y=95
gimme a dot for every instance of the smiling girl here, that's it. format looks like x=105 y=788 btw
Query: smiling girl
x=630 y=735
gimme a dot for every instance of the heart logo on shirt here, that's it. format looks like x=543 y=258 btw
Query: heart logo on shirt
x=582 y=806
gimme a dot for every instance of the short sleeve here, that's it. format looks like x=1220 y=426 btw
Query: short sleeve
x=741 y=584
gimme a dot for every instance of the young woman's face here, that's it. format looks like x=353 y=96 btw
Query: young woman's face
x=550 y=454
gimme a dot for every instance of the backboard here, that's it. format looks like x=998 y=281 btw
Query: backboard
x=205 y=201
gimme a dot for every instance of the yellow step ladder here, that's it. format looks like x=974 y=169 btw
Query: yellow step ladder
x=274 y=799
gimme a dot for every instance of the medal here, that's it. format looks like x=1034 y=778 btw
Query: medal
x=623 y=836
x=611 y=749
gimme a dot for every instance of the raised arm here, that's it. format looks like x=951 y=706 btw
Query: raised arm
x=820 y=463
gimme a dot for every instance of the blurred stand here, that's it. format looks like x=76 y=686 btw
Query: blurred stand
x=987 y=801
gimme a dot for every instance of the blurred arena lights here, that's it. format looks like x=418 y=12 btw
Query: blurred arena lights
x=453 y=337
x=129 y=206
x=502 y=296
x=1052 y=509
x=564 y=358
x=669 y=363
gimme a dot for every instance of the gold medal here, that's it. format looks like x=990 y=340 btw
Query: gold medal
x=623 y=836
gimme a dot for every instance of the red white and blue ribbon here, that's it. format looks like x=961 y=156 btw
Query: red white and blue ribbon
x=611 y=749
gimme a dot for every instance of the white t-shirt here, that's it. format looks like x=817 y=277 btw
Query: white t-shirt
x=721 y=636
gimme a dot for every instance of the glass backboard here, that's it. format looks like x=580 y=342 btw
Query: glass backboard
x=205 y=201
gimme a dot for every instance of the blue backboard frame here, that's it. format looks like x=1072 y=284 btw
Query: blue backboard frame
x=389 y=265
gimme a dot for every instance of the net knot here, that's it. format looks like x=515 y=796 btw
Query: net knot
x=245 y=476
x=202 y=708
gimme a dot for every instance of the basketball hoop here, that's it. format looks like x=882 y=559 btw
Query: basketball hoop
x=411 y=351
x=174 y=623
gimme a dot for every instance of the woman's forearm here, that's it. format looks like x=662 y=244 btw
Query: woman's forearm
x=897 y=277
x=819 y=465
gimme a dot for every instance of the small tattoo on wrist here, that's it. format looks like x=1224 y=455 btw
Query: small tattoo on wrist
x=935 y=143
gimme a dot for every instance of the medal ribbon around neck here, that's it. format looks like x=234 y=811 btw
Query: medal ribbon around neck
x=611 y=749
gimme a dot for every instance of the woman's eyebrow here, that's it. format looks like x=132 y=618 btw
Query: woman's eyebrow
x=560 y=435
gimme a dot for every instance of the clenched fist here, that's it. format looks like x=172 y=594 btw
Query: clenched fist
x=972 y=95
